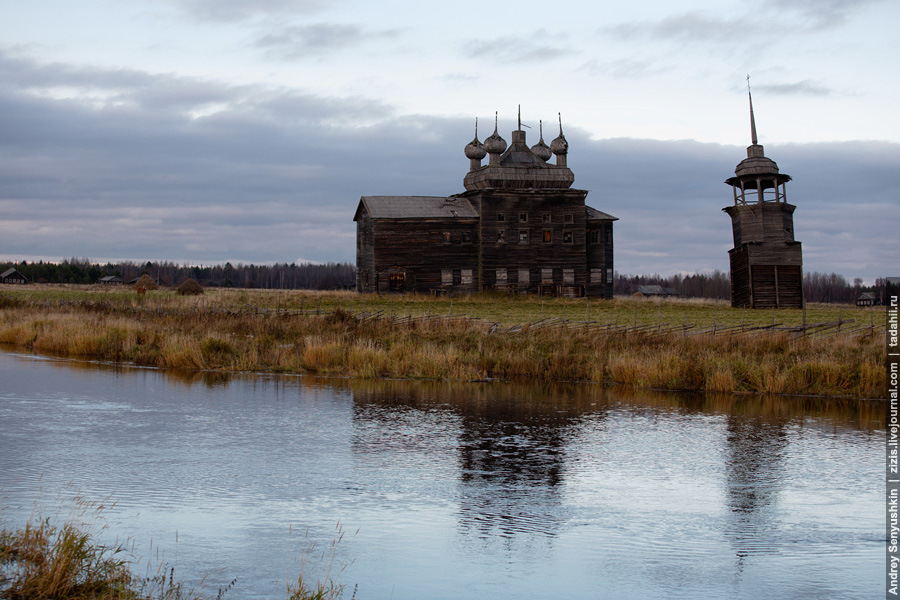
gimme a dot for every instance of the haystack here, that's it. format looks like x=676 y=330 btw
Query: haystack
x=145 y=283
x=189 y=287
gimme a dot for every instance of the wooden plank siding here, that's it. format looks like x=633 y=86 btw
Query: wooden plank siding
x=539 y=230
x=419 y=248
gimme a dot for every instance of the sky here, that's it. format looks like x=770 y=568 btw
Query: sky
x=205 y=131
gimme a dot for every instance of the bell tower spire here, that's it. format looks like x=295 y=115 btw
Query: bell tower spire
x=753 y=138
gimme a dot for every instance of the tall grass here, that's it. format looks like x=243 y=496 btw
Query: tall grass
x=43 y=561
x=366 y=336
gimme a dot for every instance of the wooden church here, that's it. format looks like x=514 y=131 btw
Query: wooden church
x=518 y=227
x=766 y=261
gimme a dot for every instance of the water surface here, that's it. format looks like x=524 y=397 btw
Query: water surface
x=453 y=491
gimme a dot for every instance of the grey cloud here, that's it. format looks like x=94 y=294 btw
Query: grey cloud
x=321 y=39
x=687 y=27
x=799 y=88
x=515 y=49
x=277 y=174
x=766 y=22
x=226 y=11
x=817 y=15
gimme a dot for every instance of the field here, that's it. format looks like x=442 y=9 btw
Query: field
x=829 y=350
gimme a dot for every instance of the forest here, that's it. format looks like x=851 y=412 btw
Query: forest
x=829 y=288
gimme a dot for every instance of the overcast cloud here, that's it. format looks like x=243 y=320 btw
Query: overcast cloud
x=213 y=139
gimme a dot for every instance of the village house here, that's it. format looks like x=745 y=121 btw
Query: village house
x=519 y=226
x=12 y=275
x=868 y=299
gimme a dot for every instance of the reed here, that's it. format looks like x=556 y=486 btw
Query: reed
x=704 y=346
x=41 y=560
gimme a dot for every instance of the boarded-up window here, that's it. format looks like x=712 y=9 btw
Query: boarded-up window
x=609 y=275
x=501 y=277
x=547 y=276
x=595 y=237
x=523 y=236
x=569 y=276
x=596 y=275
x=445 y=237
x=524 y=277
x=466 y=276
x=548 y=236
x=568 y=218
x=447 y=277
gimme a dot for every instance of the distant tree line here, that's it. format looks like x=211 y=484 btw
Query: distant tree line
x=327 y=276
x=817 y=287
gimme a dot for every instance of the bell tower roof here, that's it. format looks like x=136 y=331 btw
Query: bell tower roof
x=757 y=164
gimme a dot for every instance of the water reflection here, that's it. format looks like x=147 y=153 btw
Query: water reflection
x=755 y=475
x=514 y=490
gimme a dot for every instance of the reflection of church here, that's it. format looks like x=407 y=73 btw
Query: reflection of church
x=519 y=227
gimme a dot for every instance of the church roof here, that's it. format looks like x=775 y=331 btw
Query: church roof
x=597 y=215
x=416 y=207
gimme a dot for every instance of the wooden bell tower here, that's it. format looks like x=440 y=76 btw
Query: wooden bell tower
x=766 y=261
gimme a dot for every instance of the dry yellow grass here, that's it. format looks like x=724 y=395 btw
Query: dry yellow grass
x=637 y=343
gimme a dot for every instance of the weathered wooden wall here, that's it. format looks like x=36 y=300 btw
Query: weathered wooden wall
x=559 y=262
x=421 y=249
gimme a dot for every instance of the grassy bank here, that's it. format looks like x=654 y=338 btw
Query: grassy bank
x=675 y=345
x=41 y=561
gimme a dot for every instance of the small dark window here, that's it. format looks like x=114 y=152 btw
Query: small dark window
x=548 y=236
x=466 y=237
x=567 y=237
x=501 y=236
x=501 y=217
x=546 y=217
x=523 y=217
x=595 y=237
x=568 y=218
x=523 y=236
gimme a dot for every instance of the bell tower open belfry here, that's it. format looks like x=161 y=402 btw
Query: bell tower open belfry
x=766 y=261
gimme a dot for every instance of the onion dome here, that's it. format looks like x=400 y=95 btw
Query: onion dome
x=495 y=144
x=541 y=150
x=475 y=149
x=560 y=145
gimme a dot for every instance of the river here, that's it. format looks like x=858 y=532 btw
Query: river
x=450 y=491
